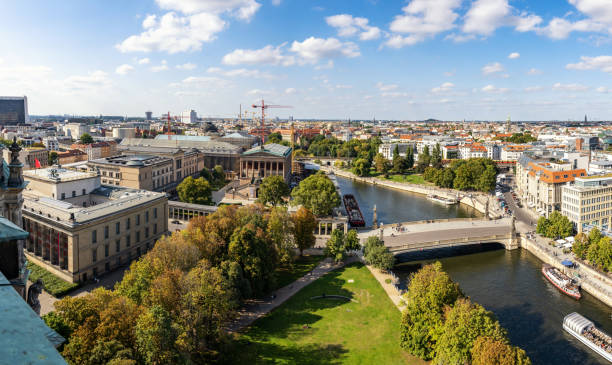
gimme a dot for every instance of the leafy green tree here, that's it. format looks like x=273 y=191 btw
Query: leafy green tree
x=316 y=193
x=273 y=190
x=86 y=138
x=52 y=158
x=379 y=257
x=195 y=191
x=155 y=336
x=580 y=245
x=218 y=175
x=445 y=178
x=486 y=181
x=430 y=173
x=304 y=224
x=409 y=160
x=429 y=291
x=399 y=164
x=256 y=257
x=542 y=226
x=280 y=232
x=436 y=156
x=396 y=153
x=488 y=351
x=351 y=241
x=599 y=254
x=361 y=167
x=463 y=324
x=56 y=323
x=555 y=226
x=334 y=247
x=424 y=160
x=205 y=173
x=370 y=243
x=275 y=137
x=381 y=164
x=594 y=235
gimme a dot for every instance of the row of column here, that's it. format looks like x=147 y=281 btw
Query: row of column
x=47 y=243
x=185 y=214
x=253 y=168
x=326 y=228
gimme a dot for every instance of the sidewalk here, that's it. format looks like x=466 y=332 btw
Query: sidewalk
x=393 y=294
x=258 y=308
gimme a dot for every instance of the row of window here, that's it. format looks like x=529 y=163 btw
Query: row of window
x=94 y=233
x=83 y=192
x=128 y=243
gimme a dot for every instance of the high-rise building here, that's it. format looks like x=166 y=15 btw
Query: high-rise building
x=149 y=115
x=13 y=110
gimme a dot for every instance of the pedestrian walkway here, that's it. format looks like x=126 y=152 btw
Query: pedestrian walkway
x=257 y=308
x=389 y=288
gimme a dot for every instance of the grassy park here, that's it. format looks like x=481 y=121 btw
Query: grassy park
x=364 y=330
x=300 y=267
x=411 y=179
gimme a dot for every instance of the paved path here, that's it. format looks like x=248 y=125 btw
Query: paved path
x=258 y=308
x=389 y=288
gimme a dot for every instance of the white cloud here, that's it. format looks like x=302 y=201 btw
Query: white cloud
x=268 y=55
x=161 y=67
x=485 y=16
x=599 y=10
x=386 y=87
x=149 y=21
x=144 y=61
x=534 y=71
x=534 y=88
x=93 y=80
x=173 y=33
x=494 y=90
x=290 y=91
x=241 y=72
x=124 y=69
x=422 y=19
x=187 y=66
x=340 y=86
x=348 y=26
x=312 y=49
x=276 y=2
x=242 y=9
x=492 y=68
x=394 y=94
x=447 y=86
x=514 y=55
x=602 y=63
x=603 y=90
x=569 y=87
x=327 y=66
x=259 y=92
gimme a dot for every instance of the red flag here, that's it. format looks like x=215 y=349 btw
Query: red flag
x=37 y=163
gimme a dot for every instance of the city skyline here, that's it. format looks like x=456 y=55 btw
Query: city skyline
x=448 y=59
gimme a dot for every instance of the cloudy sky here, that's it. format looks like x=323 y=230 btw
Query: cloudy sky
x=389 y=59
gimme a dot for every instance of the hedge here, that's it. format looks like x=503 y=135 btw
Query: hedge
x=52 y=284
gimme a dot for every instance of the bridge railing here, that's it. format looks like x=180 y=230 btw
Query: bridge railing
x=450 y=242
x=441 y=220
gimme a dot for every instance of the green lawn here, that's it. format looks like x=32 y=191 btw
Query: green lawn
x=329 y=331
x=412 y=179
x=52 y=284
x=301 y=266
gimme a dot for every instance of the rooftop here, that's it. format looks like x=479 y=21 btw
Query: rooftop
x=132 y=160
x=272 y=148
x=54 y=174
x=178 y=137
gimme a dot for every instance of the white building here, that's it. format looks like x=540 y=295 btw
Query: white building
x=386 y=149
x=189 y=116
x=75 y=130
x=588 y=202
x=124 y=132
x=51 y=143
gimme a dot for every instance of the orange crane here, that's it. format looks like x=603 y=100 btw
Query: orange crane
x=263 y=108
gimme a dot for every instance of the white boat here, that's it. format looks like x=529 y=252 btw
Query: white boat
x=586 y=332
x=441 y=199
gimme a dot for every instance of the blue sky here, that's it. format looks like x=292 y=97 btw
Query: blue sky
x=447 y=59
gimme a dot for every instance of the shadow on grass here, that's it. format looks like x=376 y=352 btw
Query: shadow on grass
x=270 y=353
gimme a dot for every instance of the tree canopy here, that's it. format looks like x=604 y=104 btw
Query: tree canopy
x=555 y=226
x=273 y=190
x=86 y=138
x=195 y=191
x=316 y=193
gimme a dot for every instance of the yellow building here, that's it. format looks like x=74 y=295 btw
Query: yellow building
x=147 y=172
x=84 y=229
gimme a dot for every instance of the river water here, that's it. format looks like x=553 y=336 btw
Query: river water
x=508 y=283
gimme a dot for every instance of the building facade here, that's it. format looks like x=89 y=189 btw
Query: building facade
x=94 y=229
x=588 y=202
x=146 y=172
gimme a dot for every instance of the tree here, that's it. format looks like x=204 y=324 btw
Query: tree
x=555 y=226
x=409 y=161
x=272 y=190
x=399 y=164
x=599 y=254
x=381 y=164
x=205 y=173
x=316 y=193
x=488 y=351
x=334 y=247
x=361 y=167
x=218 y=175
x=280 y=232
x=86 y=138
x=429 y=291
x=486 y=181
x=580 y=245
x=155 y=336
x=351 y=241
x=424 y=160
x=195 y=191
x=463 y=324
x=52 y=158
x=380 y=257
x=304 y=224
x=436 y=156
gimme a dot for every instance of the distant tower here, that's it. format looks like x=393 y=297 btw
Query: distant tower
x=508 y=124
x=585 y=119
x=149 y=115
x=375 y=219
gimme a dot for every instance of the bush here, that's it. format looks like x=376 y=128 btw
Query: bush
x=388 y=281
x=52 y=284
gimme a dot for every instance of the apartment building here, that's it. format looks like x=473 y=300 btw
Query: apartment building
x=146 y=172
x=29 y=155
x=513 y=152
x=80 y=229
x=540 y=183
x=588 y=202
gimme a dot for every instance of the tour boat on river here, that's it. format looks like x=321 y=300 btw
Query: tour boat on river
x=441 y=199
x=561 y=281
x=352 y=210
x=586 y=332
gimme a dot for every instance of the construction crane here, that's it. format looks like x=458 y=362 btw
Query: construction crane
x=263 y=108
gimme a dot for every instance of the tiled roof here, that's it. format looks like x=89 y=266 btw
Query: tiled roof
x=272 y=148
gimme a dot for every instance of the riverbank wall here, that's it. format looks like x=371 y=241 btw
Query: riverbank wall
x=591 y=281
x=474 y=200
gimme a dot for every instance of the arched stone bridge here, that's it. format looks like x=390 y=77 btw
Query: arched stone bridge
x=426 y=236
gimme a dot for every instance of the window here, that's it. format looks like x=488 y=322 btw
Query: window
x=155 y=228
x=73 y=193
x=63 y=196
x=94 y=236
x=146 y=232
x=137 y=236
x=147 y=216
x=127 y=223
x=128 y=240
x=155 y=213
x=118 y=227
x=83 y=191
x=94 y=255
x=107 y=266
x=105 y=232
x=138 y=220
x=105 y=250
x=117 y=245
x=138 y=251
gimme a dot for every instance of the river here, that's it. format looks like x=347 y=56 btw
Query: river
x=508 y=283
